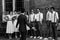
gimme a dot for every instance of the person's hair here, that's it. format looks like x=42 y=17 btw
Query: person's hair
x=47 y=8
x=27 y=13
x=38 y=8
x=23 y=10
x=52 y=8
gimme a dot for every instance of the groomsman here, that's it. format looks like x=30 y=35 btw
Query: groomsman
x=54 y=21
x=38 y=19
x=41 y=23
x=32 y=20
x=48 y=20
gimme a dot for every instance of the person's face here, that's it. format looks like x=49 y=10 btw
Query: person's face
x=25 y=13
x=32 y=11
x=48 y=9
x=15 y=11
x=11 y=13
x=38 y=10
x=51 y=10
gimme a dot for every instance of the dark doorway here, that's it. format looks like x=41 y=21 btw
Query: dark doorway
x=19 y=5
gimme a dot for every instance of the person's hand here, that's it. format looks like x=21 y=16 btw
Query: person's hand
x=56 y=25
x=34 y=28
x=27 y=27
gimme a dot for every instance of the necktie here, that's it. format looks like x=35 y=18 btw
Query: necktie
x=39 y=17
x=48 y=16
x=34 y=18
x=54 y=17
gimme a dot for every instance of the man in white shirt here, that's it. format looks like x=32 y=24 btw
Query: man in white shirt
x=38 y=19
x=31 y=16
x=32 y=20
x=54 y=20
x=48 y=20
x=41 y=17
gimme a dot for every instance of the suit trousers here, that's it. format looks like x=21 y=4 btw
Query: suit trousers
x=37 y=26
x=32 y=32
x=54 y=30
x=49 y=34
x=23 y=35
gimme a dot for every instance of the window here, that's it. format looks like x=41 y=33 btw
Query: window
x=19 y=5
x=9 y=5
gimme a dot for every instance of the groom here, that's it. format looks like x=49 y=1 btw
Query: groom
x=22 y=21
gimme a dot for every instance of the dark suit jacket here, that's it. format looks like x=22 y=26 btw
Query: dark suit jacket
x=22 y=21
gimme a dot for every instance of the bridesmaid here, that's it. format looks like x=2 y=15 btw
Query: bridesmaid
x=14 y=23
x=10 y=28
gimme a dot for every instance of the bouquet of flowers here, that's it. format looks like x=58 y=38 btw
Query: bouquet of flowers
x=13 y=18
x=6 y=18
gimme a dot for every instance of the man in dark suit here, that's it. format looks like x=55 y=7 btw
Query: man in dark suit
x=22 y=21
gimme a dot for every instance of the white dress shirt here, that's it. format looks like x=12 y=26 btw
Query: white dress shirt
x=39 y=16
x=48 y=16
x=31 y=17
x=27 y=17
x=54 y=16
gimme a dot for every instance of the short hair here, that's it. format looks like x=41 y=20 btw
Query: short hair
x=23 y=10
x=52 y=8
x=38 y=8
x=47 y=8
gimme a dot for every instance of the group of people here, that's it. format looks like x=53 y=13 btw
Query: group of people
x=36 y=20
x=32 y=24
x=11 y=19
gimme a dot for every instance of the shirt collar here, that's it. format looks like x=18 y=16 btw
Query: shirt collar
x=53 y=12
x=22 y=13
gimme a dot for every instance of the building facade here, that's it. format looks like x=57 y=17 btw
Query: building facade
x=11 y=5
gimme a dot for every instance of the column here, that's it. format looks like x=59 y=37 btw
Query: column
x=13 y=5
x=3 y=10
x=3 y=6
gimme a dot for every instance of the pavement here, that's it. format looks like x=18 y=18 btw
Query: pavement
x=26 y=39
x=44 y=27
